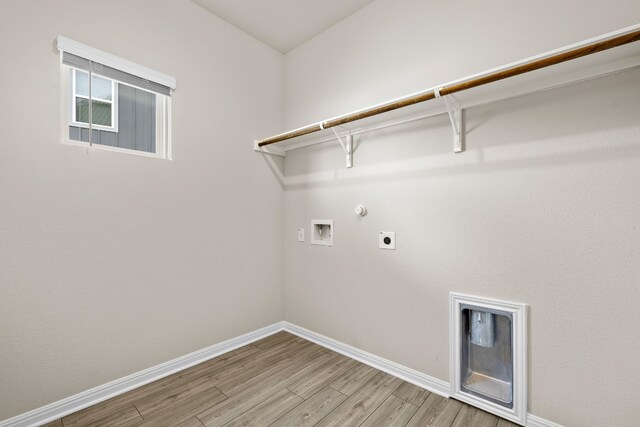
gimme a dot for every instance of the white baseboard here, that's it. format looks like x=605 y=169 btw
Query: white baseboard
x=409 y=375
x=103 y=392
x=534 y=421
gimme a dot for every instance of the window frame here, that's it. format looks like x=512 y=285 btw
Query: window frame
x=74 y=96
x=163 y=110
x=163 y=121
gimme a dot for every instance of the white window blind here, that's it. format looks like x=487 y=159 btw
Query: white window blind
x=81 y=56
x=113 y=73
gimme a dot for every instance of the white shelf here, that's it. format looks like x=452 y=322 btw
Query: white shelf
x=599 y=64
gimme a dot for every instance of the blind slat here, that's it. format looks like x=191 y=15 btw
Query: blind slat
x=113 y=73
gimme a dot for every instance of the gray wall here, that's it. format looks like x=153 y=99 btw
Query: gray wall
x=542 y=208
x=136 y=122
x=111 y=263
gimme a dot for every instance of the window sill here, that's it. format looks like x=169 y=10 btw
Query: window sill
x=100 y=147
x=95 y=127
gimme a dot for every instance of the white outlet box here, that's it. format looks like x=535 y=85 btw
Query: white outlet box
x=387 y=240
x=322 y=232
x=300 y=234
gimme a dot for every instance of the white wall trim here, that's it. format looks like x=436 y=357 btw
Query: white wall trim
x=534 y=421
x=409 y=375
x=103 y=392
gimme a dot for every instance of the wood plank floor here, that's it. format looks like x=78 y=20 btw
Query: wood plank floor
x=283 y=381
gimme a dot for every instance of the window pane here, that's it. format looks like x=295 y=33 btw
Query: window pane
x=101 y=112
x=82 y=83
x=82 y=110
x=101 y=88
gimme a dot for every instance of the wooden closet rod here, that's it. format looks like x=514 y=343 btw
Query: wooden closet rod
x=501 y=74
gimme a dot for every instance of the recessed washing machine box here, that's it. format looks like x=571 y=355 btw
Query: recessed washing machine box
x=489 y=357
x=486 y=368
x=322 y=232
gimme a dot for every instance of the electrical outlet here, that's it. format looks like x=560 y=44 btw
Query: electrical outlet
x=300 y=234
x=387 y=240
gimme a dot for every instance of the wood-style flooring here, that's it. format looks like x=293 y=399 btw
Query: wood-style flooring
x=281 y=380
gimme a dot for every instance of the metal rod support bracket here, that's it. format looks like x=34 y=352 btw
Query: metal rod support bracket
x=347 y=146
x=455 y=117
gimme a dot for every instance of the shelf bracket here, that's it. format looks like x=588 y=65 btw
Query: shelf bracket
x=455 y=117
x=347 y=146
x=276 y=151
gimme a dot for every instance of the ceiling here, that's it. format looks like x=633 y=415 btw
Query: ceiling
x=283 y=24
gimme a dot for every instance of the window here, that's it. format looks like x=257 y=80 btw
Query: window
x=103 y=93
x=113 y=104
